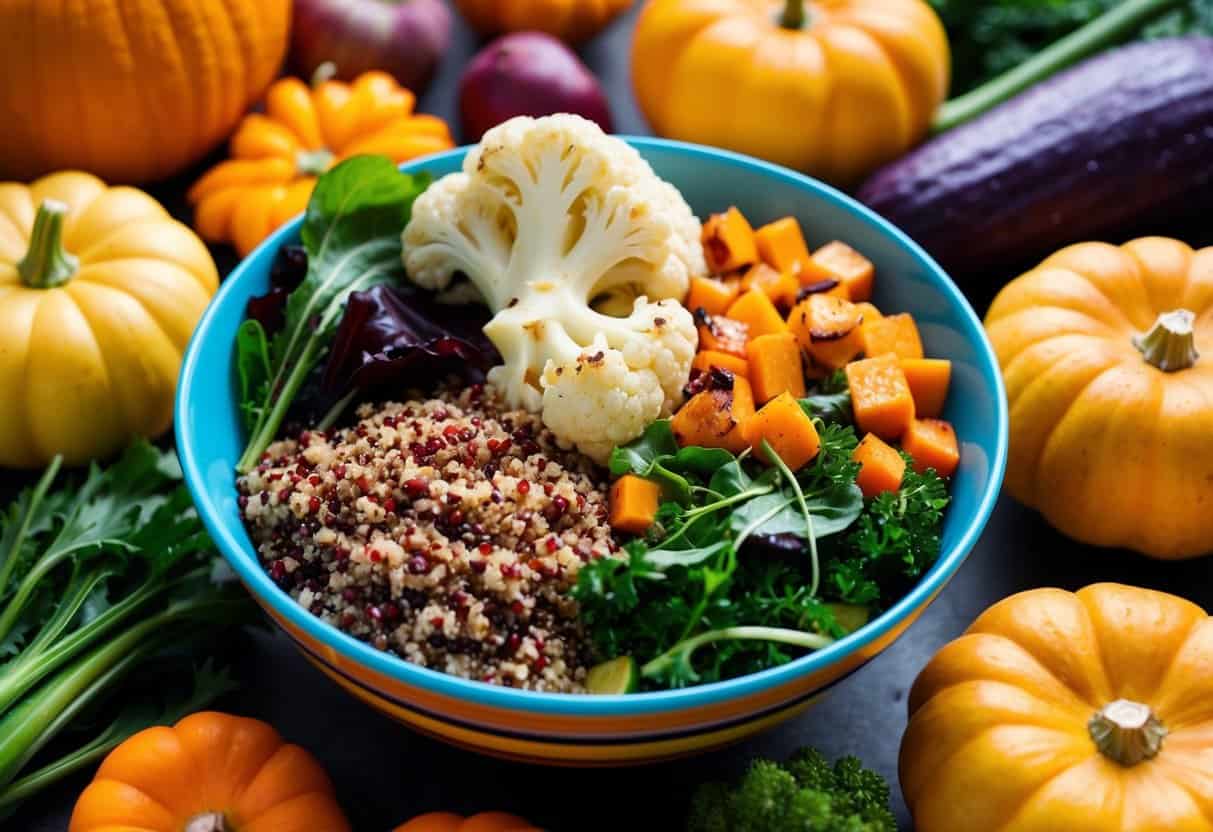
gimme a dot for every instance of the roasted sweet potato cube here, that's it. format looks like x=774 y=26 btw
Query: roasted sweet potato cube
x=928 y=379
x=720 y=334
x=781 y=246
x=882 y=467
x=774 y=363
x=728 y=242
x=784 y=425
x=634 y=503
x=713 y=418
x=828 y=330
x=712 y=295
x=880 y=397
x=779 y=286
x=892 y=334
x=707 y=359
x=931 y=443
x=755 y=310
x=851 y=268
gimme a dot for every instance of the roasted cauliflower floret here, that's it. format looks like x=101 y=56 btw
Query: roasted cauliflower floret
x=549 y=217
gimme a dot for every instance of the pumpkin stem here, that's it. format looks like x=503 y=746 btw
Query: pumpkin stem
x=1170 y=344
x=313 y=162
x=1127 y=732
x=207 y=822
x=327 y=71
x=793 y=16
x=46 y=264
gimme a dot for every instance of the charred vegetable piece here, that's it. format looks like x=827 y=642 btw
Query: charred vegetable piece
x=928 y=379
x=849 y=267
x=880 y=396
x=634 y=504
x=720 y=334
x=787 y=429
x=758 y=313
x=711 y=295
x=781 y=246
x=774 y=363
x=728 y=242
x=932 y=444
x=828 y=329
x=707 y=359
x=893 y=334
x=713 y=418
x=882 y=466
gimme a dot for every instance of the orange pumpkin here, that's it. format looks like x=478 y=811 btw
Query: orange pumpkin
x=831 y=87
x=1107 y=353
x=277 y=156
x=130 y=90
x=569 y=20
x=1082 y=712
x=483 y=822
x=208 y=773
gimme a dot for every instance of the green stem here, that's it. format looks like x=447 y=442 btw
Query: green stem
x=1111 y=27
x=313 y=162
x=793 y=15
x=267 y=426
x=694 y=514
x=685 y=649
x=777 y=460
x=1127 y=732
x=1170 y=345
x=12 y=549
x=46 y=264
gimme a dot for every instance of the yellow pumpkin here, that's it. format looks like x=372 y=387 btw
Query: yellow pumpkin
x=569 y=20
x=131 y=90
x=1107 y=354
x=100 y=290
x=1067 y=712
x=831 y=87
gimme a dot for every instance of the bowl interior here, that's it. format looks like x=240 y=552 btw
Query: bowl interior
x=210 y=437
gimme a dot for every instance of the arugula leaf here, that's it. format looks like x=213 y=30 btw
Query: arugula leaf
x=830 y=400
x=655 y=455
x=833 y=511
x=253 y=371
x=351 y=233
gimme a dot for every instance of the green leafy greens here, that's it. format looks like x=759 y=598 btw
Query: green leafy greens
x=97 y=579
x=351 y=233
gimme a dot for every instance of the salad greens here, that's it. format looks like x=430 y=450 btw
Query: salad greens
x=97 y=579
x=351 y=234
x=739 y=572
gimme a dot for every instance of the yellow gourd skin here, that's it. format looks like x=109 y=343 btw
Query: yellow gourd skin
x=88 y=364
x=130 y=90
x=1112 y=450
x=855 y=86
x=1004 y=721
x=569 y=20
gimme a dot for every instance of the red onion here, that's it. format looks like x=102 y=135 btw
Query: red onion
x=527 y=74
x=403 y=37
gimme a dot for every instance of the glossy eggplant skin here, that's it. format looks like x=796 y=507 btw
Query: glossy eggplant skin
x=1118 y=142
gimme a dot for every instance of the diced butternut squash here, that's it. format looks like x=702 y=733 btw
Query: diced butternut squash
x=774 y=362
x=893 y=334
x=634 y=504
x=714 y=418
x=779 y=286
x=851 y=268
x=819 y=278
x=788 y=429
x=828 y=329
x=882 y=467
x=720 y=334
x=711 y=295
x=880 y=396
x=728 y=242
x=931 y=443
x=928 y=379
x=868 y=310
x=825 y=286
x=755 y=310
x=781 y=246
x=707 y=359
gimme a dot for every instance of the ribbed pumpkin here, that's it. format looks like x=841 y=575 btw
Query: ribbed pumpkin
x=131 y=90
x=100 y=290
x=569 y=20
x=1067 y=712
x=1107 y=354
x=483 y=822
x=209 y=773
x=832 y=87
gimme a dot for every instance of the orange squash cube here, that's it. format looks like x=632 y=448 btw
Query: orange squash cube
x=893 y=334
x=711 y=295
x=868 y=310
x=781 y=246
x=774 y=362
x=881 y=466
x=755 y=310
x=779 y=286
x=851 y=268
x=929 y=379
x=728 y=242
x=720 y=334
x=714 y=418
x=880 y=397
x=828 y=329
x=787 y=428
x=707 y=359
x=633 y=504
x=931 y=443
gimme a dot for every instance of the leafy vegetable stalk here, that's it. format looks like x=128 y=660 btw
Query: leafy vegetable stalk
x=351 y=233
x=97 y=580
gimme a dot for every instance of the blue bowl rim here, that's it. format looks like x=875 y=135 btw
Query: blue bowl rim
x=436 y=682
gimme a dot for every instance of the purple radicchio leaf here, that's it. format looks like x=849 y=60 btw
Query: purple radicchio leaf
x=287 y=272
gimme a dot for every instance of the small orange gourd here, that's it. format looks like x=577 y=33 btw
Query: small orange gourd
x=209 y=772
x=1082 y=712
x=1107 y=354
x=570 y=20
x=277 y=156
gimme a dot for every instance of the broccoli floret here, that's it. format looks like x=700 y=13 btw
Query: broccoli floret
x=806 y=794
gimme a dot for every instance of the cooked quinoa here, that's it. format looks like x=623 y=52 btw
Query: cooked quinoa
x=447 y=531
